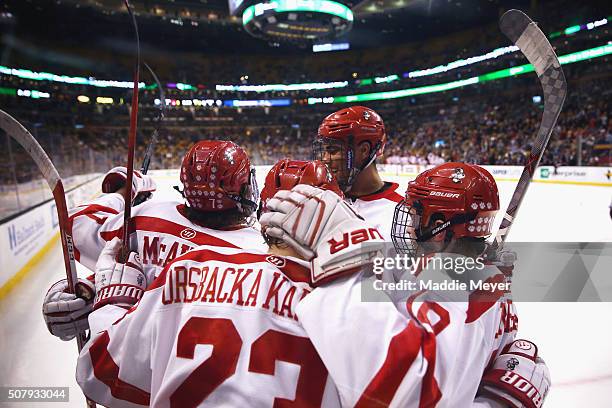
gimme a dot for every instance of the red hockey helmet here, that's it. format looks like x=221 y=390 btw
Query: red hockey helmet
x=286 y=174
x=217 y=175
x=339 y=136
x=463 y=196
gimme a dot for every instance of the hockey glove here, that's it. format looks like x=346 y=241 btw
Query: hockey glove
x=142 y=184
x=116 y=283
x=518 y=377
x=323 y=229
x=65 y=313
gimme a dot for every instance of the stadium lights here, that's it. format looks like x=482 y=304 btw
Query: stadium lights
x=190 y=102
x=286 y=6
x=496 y=53
x=491 y=76
x=32 y=93
x=104 y=100
x=83 y=98
x=281 y=87
x=45 y=76
x=261 y=102
x=330 y=47
x=579 y=27
x=387 y=79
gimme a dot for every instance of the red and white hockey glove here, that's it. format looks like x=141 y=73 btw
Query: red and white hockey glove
x=65 y=313
x=519 y=377
x=505 y=261
x=142 y=184
x=116 y=283
x=324 y=229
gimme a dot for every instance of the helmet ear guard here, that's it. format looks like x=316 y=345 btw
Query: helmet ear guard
x=456 y=219
x=246 y=201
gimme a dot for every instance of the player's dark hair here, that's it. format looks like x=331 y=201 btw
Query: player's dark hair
x=217 y=219
x=273 y=241
x=471 y=247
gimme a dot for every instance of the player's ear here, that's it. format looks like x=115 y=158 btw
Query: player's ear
x=438 y=237
x=364 y=149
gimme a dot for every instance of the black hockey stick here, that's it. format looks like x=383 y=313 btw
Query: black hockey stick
x=526 y=35
x=146 y=161
x=21 y=135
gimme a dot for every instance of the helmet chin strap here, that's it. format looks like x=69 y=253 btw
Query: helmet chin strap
x=435 y=230
x=354 y=172
x=181 y=192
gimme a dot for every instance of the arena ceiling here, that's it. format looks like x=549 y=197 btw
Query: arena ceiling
x=206 y=26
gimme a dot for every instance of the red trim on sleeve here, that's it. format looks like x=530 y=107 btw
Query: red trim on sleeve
x=482 y=300
x=88 y=212
x=106 y=370
x=388 y=193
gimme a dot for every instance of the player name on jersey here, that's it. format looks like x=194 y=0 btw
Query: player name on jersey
x=161 y=254
x=249 y=287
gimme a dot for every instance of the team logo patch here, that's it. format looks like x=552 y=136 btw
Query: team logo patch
x=512 y=363
x=523 y=345
x=276 y=261
x=188 y=233
x=458 y=175
x=366 y=115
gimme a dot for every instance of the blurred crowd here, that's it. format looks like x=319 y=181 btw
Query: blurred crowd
x=493 y=123
x=489 y=123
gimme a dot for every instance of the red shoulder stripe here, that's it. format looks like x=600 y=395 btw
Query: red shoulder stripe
x=291 y=269
x=154 y=224
x=481 y=300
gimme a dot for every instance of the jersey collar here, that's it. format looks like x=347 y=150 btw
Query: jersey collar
x=387 y=191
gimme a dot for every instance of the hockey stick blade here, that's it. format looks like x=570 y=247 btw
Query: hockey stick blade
x=526 y=35
x=21 y=135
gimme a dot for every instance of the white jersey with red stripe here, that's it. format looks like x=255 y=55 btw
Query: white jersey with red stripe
x=378 y=208
x=225 y=327
x=410 y=353
x=161 y=232
x=216 y=328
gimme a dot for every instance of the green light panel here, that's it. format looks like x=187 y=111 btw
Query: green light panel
x=285 y=6
x=491 y=76
x=45 y=76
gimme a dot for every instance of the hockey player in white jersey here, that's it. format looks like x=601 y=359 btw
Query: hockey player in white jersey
x=349 y=141
x=216 y=328
x=220 y=193
x=424 y=350
x=219 y=327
